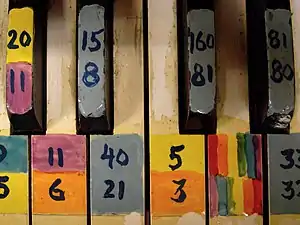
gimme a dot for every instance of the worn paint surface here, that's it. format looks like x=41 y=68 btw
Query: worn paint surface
x=14 y=175
x=20 y=38
x=177 y=174
x=19 y=87
x=235 y=176
x=280 y=65
x=59 y=178
x=202 y=53
x=116 y=174
x=13 y=154
x=20 y=20
x=91 y=68
x=284 y=173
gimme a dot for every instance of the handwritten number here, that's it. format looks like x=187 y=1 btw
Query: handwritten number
x=12 y=81
x=288 y=188
x=93 y=40
x=274 y=39
x=3 y=186
x=3 y=153
x=288 y=155
x=173 y=155
x=111 y=186
x=24 y=39
x=121 y=190
x=13 y=34
x=123 y=162
x=110 y=156
x=201 y=45
x=54 y=190
x=60 y=157
x=279 y=71
x=182 y=195
x=198 y=79
x=108 y=153
x=84 y=40
x=91 y=74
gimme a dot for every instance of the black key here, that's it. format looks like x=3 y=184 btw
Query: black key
x=196 y=67
x=95 y=67
x=26 y=66
x=270 y=66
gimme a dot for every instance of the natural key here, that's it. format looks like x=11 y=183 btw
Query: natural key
x=116 y=177
x=270 y=66
x=197 y=98
x=284 y=181
x=14 y=193
x=26 y=66
x=94 y=67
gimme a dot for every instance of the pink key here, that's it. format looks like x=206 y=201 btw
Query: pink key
x=18 y=87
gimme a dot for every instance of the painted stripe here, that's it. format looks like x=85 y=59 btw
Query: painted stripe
x=242 y=164
x=238 y=196
x=230 y=201
x=248 y=196
x=213 y=155
x=250 y=156
x=232 y=157
x=256 y=139
x=223 y=154
x=213 y=196
x=257 y=185
x=222 y=193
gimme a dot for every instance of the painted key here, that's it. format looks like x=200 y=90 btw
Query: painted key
x=116 y=191
x=177 y=178
x=271 y=66
x=95 y=66
x=59 y=178
x=14 y=193
x=284 y=167
x=26 y=65
x=235 y=178
x=197 y=99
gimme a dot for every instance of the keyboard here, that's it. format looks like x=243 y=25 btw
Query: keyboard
x=132 y=112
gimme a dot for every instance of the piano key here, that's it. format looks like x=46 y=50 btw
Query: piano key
x=197 y=72
x=25 y=65
x=118 y=189
x=14 y=194
x=284 y=167
x=129 y=121
x=231 y=60
x=59 y=179
x=177 y=168
x=177 y=178
x=4 y=121
x=271 y=66
x=95 y=66
x=61 y=68
x=235 y=177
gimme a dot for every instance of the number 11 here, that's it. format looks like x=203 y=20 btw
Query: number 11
x=12 y=81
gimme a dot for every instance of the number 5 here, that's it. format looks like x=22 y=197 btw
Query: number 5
x=173 y=155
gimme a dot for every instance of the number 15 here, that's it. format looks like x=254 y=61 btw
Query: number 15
x=93 y=40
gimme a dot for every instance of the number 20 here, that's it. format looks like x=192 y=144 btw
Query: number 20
x=24 y=39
